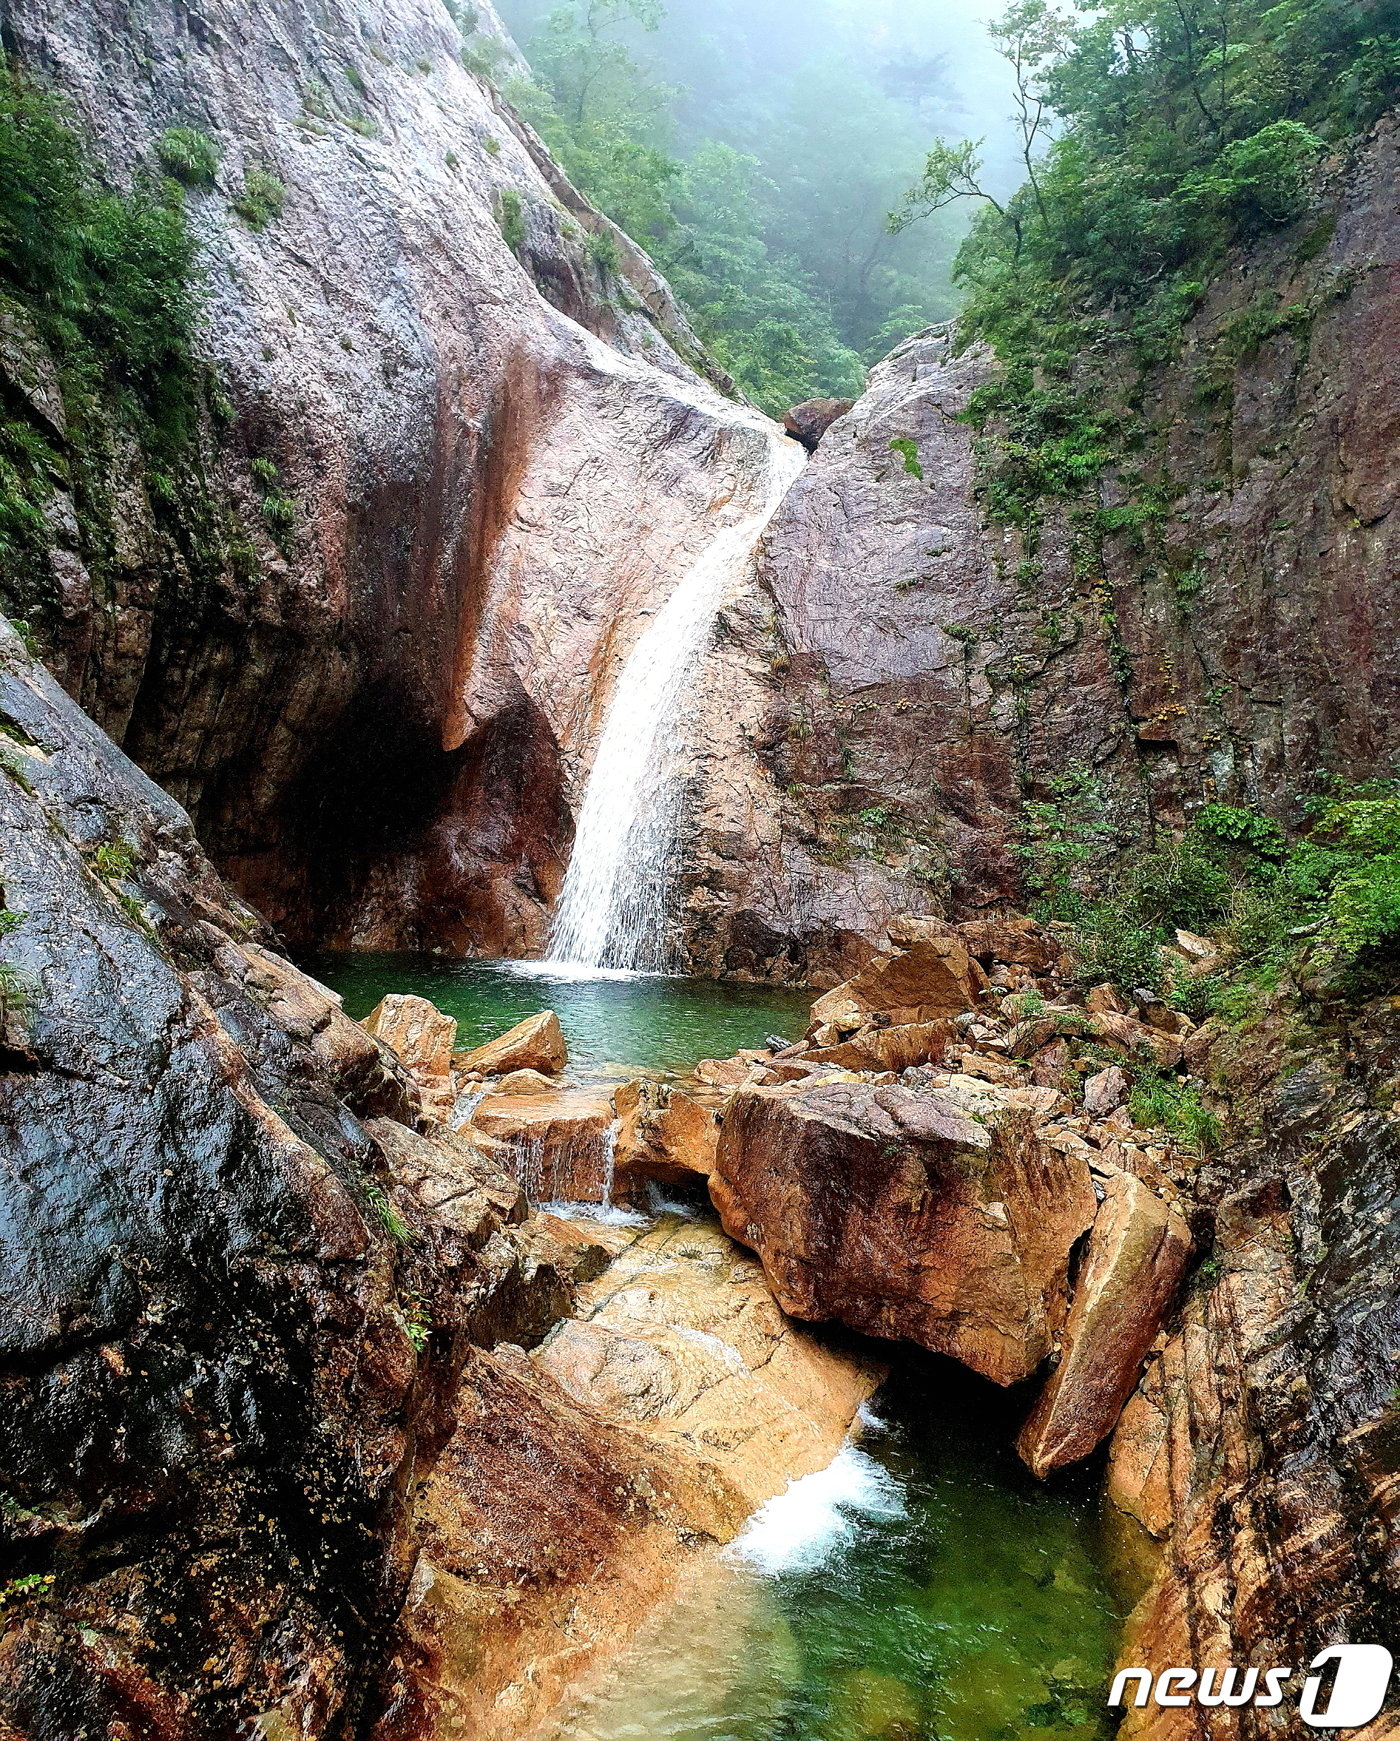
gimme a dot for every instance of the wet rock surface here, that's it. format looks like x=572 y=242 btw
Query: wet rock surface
x=237 y=1293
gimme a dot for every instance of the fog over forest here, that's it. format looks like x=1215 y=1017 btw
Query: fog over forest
x=756 y=148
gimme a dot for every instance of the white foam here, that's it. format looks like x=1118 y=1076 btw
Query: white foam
x=796 y=1531
x=611 y=1214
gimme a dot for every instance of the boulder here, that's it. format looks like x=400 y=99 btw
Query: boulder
x=680 y=1338
x=1013 y=940
x=887 y=1048
x=896 y=1212
x=809 y=421
x=1133 y=1266
x=664 y=1133
x=1136 y=1039
x=722 y=1072
x=1105 y=1091
x=911 y=928
x=422 y=1038
x=932 y=981
x=525 y=1082
x=537 y=1043
x=559 y=1145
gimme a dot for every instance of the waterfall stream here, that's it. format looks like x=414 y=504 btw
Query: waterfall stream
x=613 y=907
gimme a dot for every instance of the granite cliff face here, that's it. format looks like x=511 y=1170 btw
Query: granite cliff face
x=906 y=671
x=234 y=1317
x=454 y=461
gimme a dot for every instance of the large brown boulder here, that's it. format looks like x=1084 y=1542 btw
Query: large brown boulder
x=809 y=421
x=421 y=1037
x=886 y=1048
x=663 y=1133
x=933 y=980
x=537 y=1043
x=1137 y=1253
x=892 y=1210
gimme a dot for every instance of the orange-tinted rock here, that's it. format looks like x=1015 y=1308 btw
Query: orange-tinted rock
x=1105 y=1091
x=525 y=1082
x=681 y=1339
x=892 y=1210
x=664 y=1133
x=722 y=1072
x=537 y=1043
x=1011 y=939
x=1132 y=1269
x=559 y=1143
x=894 y=1048
x=931 y=981
x=1136 y=1039
x=422 y=1038
x=548 y=1534
x=1139 y=1481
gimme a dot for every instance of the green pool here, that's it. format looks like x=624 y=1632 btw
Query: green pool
x=641 y=1021
x=924 y=1589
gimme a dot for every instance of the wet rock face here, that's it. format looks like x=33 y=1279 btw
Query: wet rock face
x=497 y=462
x=234 y=1313
x=918 y=669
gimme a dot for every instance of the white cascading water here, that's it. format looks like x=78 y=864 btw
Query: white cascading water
x=613 y=908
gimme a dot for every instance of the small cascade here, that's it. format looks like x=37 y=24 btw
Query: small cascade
x=613 y=908
x=610 y=1162
x=530 y=1169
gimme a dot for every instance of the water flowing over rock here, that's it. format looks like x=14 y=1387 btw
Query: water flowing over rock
x=495 y=459
x=614 y=907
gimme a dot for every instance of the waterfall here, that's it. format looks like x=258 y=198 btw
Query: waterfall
x=613 y=907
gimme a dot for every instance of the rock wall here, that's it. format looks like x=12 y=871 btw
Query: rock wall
x=379 y=715
x=1262 y=1446
x=905 y=672
x=237 y=1285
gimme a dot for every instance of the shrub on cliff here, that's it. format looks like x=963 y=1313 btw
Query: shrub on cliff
x=100 y=294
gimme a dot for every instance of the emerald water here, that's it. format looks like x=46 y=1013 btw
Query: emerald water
x=641 y=1021
x=925 y=1588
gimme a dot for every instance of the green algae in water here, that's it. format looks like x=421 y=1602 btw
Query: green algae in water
x=951 y=1598
x=643 y=1021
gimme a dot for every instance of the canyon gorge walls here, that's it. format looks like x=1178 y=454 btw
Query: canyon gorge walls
x=1216 y=617
x=448 y=458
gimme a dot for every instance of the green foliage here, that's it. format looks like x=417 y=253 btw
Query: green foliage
x=31 y=1584
x=603 y=251
x=774 y=240
x=114 y=861
x=1181 y=127
x=106 y=284
x=262 y=199
x=903 y=444
x=1113 y=942
x=1064 y=838
x=384 y=1212
x=9 y=921
x=1173 y=1104
x=512 y=220
x=1328 y=901
x=190 y=156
